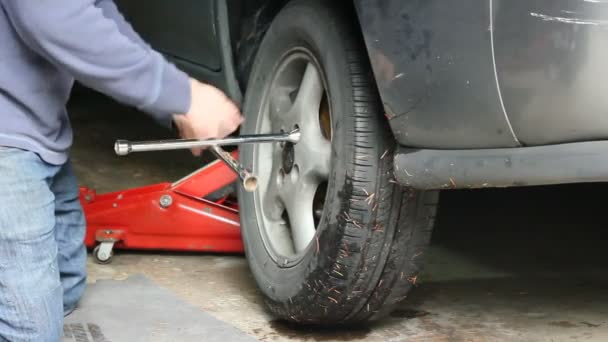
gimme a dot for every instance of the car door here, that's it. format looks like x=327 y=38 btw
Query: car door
x=552 y=66
x=184 y=30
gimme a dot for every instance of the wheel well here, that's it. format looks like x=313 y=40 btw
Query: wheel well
x=249 y=21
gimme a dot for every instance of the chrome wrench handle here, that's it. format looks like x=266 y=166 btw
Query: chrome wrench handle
x=125 y=147
x=249 y=181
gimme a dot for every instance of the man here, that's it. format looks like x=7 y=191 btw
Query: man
x=44 y=46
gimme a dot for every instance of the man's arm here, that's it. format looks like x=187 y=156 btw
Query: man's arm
x=92 y=41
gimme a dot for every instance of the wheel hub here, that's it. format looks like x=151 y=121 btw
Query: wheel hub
x=294 y=178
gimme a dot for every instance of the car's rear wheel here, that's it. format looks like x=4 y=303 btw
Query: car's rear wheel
x=330 y=238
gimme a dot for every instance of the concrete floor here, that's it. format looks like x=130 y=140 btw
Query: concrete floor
x=505 y=265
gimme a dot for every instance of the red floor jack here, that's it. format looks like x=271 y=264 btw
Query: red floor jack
x=197 y=213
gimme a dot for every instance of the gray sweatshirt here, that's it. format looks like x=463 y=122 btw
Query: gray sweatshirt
x=46 y=44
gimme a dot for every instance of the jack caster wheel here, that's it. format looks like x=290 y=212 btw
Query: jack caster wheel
x=103 y=254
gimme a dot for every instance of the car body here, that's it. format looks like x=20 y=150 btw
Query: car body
x=394 y=100
x=453 y=77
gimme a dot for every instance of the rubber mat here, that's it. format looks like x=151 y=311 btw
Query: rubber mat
x=137 y=309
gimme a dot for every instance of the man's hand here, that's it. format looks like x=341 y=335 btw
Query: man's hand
x=212 y=115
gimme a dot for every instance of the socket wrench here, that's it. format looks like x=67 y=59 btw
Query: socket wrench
x=248 y=180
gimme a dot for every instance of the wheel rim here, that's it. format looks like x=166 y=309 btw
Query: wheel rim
x=293 y=178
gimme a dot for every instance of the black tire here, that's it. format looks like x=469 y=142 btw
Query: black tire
x=367 y=250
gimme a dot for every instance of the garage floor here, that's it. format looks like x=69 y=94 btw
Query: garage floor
x=505 y=265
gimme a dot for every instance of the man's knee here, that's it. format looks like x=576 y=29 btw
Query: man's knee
x=24 y=317
x=31 y=306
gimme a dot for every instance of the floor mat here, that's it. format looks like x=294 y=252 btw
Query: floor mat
x=137 y=309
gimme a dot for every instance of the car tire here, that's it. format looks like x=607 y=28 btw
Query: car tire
x=364 y=253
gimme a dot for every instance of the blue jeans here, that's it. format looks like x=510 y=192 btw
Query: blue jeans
x=42 y=252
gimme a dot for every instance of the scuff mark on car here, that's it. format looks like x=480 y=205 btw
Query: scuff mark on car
x=576 y=21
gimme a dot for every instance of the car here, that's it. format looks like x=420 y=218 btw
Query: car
x=396 y=101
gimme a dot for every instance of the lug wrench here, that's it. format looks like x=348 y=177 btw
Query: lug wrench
x=249 y=181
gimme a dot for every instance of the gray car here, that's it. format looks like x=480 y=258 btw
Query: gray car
x=395 y=100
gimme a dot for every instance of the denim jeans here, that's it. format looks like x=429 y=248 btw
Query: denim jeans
x=42 y=252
